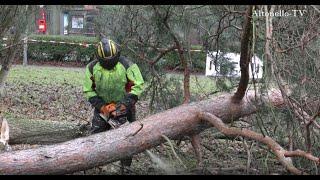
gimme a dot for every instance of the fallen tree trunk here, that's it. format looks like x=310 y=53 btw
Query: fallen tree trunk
x=113 y=145
x=24 y=131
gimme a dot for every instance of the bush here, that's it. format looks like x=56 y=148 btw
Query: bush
x=46 y=51
x=164 y=93
x=171 y=61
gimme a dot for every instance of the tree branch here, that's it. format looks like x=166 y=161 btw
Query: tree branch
x=300 y=153
x=280 y=153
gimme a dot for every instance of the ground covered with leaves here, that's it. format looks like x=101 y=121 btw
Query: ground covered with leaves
x=52 y=93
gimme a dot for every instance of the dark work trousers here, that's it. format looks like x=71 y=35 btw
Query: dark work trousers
x=100 y=125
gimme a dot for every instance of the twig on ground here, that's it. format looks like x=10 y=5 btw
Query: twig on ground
x=174 y=152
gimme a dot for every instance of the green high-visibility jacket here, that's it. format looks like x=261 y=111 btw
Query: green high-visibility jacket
x=105 y=86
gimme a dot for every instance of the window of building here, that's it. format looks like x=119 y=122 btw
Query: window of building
x=77 y=22
x=65 y=23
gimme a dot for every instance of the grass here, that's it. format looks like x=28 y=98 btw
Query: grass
x=42 y=75
x=48 y=75
x=198 y=83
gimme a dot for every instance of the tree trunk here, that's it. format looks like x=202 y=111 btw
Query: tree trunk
x=6 y=62
x=23 y=131
x=245 y=57
x=5 y=67
x=113 y=145
x=186 y=75
x=3 y=76
x=25 y=51
x=268 y=69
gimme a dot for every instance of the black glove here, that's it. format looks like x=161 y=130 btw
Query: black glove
x=97 y=102
x=124 y=106
x=129 y=100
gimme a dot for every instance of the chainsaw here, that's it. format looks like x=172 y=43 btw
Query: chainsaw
x=115 y=122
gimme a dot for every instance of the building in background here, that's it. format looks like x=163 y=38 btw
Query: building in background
x=68 y=19
x=228 y=65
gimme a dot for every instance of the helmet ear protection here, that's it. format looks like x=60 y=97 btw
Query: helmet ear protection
x=107 y=53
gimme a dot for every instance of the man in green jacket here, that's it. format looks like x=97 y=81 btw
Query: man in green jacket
x=112 y=84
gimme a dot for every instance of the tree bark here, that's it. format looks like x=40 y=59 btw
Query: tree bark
x=106 y=147
x=23 y=131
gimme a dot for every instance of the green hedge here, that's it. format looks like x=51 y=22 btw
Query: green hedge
x=46 y=51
